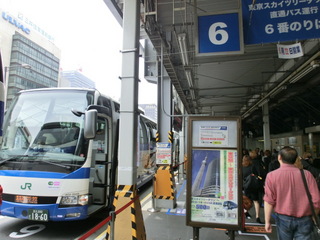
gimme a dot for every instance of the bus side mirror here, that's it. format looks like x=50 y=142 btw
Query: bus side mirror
x=90 y=124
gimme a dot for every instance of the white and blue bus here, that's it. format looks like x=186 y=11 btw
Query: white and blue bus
x=58 y=156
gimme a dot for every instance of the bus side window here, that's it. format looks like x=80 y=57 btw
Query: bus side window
x=100 y=141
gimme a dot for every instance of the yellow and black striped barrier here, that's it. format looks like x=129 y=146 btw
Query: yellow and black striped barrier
x=129 y=221
x=163 y=184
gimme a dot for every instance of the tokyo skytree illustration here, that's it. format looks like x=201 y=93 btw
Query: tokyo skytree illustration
x=211 y=177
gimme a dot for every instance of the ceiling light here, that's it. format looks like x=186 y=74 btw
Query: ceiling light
x=193 y=96
x=182 y=40
x=277 y=91
x=189 y=78
x=314 y=64
x=263 y=102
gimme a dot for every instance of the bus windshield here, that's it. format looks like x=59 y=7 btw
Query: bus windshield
x=42 y=134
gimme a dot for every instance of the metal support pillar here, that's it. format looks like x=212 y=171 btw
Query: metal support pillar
x=196 y=231
x=310 y=138
x=129 y=224
x=231 y=234
x=129 y=94
x=266 y=127
x=182 y=149
x=164 y=105
x=164 y=183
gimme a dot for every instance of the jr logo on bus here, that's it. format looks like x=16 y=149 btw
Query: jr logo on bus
x=26 y=186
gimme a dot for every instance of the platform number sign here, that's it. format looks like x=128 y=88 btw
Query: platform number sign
x=219 y=34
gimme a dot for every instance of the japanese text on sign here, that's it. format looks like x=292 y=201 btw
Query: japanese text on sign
x=214 y=135
x=272 y=21
x=163 y=155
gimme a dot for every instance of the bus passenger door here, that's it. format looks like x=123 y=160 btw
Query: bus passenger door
x=99 y=165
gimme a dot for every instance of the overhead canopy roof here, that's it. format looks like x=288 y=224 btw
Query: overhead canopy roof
x=232 y=84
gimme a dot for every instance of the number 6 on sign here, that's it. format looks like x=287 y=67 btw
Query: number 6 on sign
x=220 y=34
x=217 y=35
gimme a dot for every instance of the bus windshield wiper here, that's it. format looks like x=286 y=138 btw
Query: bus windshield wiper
x=15 y=158
x=66 y=166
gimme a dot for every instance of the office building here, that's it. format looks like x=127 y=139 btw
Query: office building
x=30 y=58
x=150 y=110
x=75 y=79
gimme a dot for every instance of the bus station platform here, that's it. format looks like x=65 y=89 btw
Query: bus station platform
x=170 y=224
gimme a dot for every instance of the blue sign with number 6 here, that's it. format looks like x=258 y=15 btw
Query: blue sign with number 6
x=219 y=33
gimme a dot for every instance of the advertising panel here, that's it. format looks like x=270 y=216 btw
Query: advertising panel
x=213 y=186
x=214 y=193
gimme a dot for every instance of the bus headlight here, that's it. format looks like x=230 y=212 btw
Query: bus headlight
x=74 y=200
x=69 y=200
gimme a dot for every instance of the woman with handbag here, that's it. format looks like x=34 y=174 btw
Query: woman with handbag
x=252 y=193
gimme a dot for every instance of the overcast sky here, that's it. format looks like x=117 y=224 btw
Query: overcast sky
x=89 y=38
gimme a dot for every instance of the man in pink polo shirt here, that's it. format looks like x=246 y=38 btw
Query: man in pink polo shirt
x=285 y=194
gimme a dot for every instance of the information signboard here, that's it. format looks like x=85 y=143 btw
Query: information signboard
x=164 y=152
x=266 y=21
x=213 y=187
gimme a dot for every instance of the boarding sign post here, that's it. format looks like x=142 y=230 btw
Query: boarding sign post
x=163 y=154
x=214 y=173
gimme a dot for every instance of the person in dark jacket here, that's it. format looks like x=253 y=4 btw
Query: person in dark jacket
x=274 y=164
x=266 y=159
x=307 y=163
x=250 y=167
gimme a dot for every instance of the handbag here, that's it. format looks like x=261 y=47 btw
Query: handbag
x=316 y=227
x=252 y=183
x=247 y=202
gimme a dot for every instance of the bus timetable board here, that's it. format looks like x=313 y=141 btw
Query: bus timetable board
x=214 y=173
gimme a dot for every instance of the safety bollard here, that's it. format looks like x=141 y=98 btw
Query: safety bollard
x=112 y=221
x=153 y=209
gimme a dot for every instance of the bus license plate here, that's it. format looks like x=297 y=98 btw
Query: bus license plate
x=38 y=215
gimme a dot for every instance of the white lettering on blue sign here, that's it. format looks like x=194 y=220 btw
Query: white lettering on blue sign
x=284 y=20
x=15 y=23
x=219 y=33
x=286 y=27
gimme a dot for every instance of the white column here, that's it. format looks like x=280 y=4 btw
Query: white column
x=127 y=172
x=164 y=115
x=266 y=127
